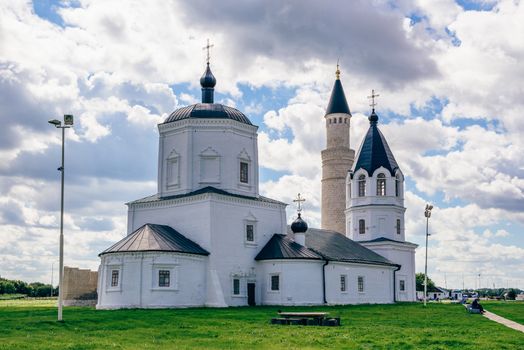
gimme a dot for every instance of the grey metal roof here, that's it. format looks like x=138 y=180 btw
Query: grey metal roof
x=157 y=238
x=335 y=246
x=208 y=189
x=323 y=244
x=282 y=247
x=208 y=111
x=375 y=152
x=337 y=101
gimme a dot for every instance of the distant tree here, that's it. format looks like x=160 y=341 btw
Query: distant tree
x=512 y=294
x=7 y=287
x=420 y=282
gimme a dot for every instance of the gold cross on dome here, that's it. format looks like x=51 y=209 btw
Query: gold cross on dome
x=207 y=47
x=372 y=97
x=299 y=201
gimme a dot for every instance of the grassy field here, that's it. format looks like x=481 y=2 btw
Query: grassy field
x=32 y=325
x=512 y=310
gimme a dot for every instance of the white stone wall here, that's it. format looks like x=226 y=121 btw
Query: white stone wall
x=217 y=223
x=378 y=284
x=300 y=282
x=195 y=153
x=404 y=255
x=138 y=281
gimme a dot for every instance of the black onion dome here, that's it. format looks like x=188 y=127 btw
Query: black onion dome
x=373 y=118
x=208 y=111
x=208 y=80
x=299 y=225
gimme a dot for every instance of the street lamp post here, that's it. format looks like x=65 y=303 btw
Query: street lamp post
x=427 y=214
x=68 y=122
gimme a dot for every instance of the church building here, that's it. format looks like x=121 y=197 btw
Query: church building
x=208 y=238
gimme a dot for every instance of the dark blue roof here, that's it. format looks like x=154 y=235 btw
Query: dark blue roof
x=208 y=111
x=374 y=151
x=156 y=238
x=337 y=102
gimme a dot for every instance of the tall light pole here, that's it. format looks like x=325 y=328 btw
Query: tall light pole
x=68 y=122
x=427 y=214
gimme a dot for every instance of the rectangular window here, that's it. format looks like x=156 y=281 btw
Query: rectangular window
x=402 y=285
x=343 y=283
x=236 y=286
x=244 y=167
x=163 y=278
x=360 y=284
x=398 y=226
x=361 y=226
x=114 y=278
x=250 y=233
x=275 y=282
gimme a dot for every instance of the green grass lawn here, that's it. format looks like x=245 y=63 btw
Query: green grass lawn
x=32 y=325
x=512 y=310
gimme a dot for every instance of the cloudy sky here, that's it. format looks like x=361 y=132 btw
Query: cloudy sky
x=449 y=74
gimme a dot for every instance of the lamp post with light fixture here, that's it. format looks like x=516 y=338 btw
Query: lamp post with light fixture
x=68 y=122
x=427 y=214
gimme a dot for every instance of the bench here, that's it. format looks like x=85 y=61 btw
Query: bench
x=306 y=319
x=472 y=310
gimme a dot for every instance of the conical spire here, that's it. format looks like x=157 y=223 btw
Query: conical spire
x=337 y=102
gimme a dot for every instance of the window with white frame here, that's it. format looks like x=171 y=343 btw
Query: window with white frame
x=209 y=166
x=236 y=286
x=362 y=226
x=275 y=283
x=244 y=172
x=250 y=232
x=173 y=169
x=402 y=285
x=360 y=284
x=381 y=185
x=362 y=185
x=115 y=278
x=164 y=278
x=343 y=283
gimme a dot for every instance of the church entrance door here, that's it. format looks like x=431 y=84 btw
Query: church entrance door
x=251 y=294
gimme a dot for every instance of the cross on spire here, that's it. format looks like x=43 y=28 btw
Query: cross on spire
x=372 y=97
x=299 y=201
x=207 y=47
x=337 y=73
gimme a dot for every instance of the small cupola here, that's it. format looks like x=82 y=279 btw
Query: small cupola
x=208 y=82
x=299 y=226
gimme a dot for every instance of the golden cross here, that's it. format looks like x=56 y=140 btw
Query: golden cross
x=207 y=47
x=372 y=97
x=299 y=201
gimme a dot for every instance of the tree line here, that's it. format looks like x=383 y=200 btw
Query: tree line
x=33 y=289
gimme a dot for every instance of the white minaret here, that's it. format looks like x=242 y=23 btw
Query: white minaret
x=375 y=207
x=337 y=160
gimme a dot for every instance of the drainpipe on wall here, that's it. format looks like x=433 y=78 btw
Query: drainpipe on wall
x=324 y=279
x=395 y=283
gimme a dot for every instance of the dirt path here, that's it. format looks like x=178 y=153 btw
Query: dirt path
x=504 y=321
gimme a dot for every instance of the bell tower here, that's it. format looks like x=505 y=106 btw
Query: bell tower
x=337 y=159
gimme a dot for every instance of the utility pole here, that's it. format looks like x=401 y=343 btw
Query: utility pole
x=68 y=122
x=427 y=214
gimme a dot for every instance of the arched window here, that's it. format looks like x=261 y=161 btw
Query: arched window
x=397 y=185
x=381 y=185
x=362 y=226
x=398 y=226
x=334 y=120
x=362 y=185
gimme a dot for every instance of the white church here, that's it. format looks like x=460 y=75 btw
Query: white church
x=208 y=238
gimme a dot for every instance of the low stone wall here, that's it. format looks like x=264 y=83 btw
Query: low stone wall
x=79 y=286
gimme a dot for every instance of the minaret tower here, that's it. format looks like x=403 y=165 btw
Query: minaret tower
x=337 y=159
